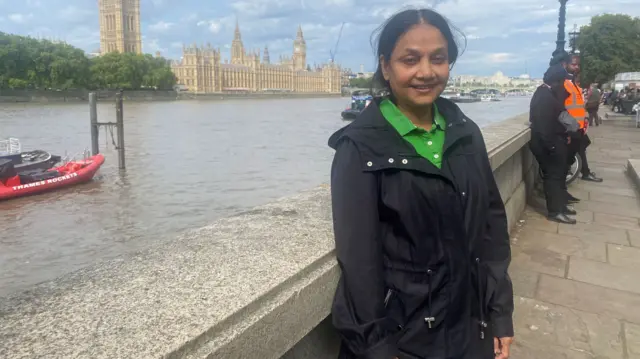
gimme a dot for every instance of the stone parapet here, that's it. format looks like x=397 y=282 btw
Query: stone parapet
x=255 y=285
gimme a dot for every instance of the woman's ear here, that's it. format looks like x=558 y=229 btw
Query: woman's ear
x=384 y=66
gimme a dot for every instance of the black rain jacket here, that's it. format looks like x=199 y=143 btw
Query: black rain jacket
x=423 y=251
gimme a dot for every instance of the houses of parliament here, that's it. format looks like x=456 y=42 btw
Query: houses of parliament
x=201 y=69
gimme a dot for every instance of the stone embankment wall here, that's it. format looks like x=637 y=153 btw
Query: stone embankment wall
x=80 y=95
x=255 y=285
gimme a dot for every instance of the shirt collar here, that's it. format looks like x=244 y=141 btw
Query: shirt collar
x=402 y=124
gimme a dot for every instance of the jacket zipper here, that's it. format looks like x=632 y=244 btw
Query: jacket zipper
x=429 y=319
x=482 y=323
x=387 y=299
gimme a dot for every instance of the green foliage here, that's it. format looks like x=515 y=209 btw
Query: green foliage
x=361 y=82
x=40 y=64
x=608 y=45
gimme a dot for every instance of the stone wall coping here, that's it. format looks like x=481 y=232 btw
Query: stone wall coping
x=247 y=286
x=633 y=171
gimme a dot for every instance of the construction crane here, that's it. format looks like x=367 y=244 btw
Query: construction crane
x=335 y=50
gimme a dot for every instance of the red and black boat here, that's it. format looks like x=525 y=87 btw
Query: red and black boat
x=14 y=184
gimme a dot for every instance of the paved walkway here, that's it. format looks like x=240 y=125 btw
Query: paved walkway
x=578 y=287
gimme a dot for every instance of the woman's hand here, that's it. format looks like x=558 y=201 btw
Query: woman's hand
x=502 y=347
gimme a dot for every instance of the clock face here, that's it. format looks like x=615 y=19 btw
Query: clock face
x=297 y=48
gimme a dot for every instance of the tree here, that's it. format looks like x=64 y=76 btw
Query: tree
x=608 y=45
x=29 y=63
x=361 y=82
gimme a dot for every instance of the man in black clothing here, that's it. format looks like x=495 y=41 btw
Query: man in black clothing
x=549 y=142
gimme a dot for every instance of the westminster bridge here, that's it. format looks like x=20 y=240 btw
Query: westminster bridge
x=498 y=90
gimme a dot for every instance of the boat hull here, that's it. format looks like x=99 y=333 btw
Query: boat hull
x=72 y=173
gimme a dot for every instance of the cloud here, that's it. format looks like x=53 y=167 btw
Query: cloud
x=20 y=18
x=151 y=46
x=161 y=26
x=506 y=35
x=189 y=18
x=34 y=3
x=73 y=13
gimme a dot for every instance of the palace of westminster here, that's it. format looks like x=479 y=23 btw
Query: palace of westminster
x=202 y=70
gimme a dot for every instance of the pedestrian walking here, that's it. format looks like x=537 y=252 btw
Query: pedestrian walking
x=420 y=229
x=593 y=104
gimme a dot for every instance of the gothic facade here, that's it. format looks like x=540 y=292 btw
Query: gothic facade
x=201 y=70
x=120 y=26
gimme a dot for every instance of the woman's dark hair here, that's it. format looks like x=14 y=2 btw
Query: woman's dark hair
x=386 y=36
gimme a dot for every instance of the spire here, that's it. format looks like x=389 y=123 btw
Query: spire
x=236 y=34
x=265 y=56
x=299 y=36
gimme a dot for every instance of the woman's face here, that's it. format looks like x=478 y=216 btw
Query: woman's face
x=418 y=69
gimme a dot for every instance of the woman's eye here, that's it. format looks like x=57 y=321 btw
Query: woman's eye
x=410 y=60
x=438 y=59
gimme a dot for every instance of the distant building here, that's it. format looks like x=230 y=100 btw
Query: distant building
x=201 y=70
x=498 y=79
x=120 y=26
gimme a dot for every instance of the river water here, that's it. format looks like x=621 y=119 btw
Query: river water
x=188 y=163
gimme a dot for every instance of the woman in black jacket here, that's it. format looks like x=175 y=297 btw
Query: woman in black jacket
x=420 y=228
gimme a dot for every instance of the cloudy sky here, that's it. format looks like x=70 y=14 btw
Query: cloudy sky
x=507 y=35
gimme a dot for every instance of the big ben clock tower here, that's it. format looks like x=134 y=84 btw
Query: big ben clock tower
x=299 y=51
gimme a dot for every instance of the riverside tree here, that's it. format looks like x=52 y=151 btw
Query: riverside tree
x=608 y=45
x=28 y=63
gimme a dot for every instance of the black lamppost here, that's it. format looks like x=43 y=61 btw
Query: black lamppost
x=573 y=39
x=561 y=22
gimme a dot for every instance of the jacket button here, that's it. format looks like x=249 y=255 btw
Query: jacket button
x=464 y=194
x=404 y=161
x=369 y=164
x=390 y=160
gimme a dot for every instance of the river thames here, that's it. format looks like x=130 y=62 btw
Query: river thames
x=188 y=163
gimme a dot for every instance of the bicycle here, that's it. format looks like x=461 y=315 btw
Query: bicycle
x=574 y=170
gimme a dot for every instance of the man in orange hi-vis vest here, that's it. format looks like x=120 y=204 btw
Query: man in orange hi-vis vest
x=574 y=104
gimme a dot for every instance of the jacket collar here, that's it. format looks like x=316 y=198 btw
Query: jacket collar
x=371 y=130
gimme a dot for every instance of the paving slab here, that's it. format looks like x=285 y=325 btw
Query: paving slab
x=603 y=274
x=620 y=208
x=603 y=188
x=586 y=296
x=547 y=325
x=634 y=238
x=539 y=260
x=633 y=171
x=614 y=198
x=624 y=256
x=568 y=245
x=595 y=232
x=622 y=222
x=589 y=298
x=524 y=282
x=632 y=336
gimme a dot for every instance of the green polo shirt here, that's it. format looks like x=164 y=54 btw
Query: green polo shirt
x=428 y=144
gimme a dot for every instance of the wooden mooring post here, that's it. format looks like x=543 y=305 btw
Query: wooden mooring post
x=119 y=125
